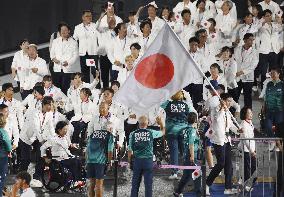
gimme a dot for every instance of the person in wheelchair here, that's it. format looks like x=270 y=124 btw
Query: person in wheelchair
x=60 y=145
x=83 y=113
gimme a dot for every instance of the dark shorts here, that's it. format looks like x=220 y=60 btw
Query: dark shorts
x=95 y=170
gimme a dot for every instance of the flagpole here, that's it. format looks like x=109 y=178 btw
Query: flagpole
x=204 y=76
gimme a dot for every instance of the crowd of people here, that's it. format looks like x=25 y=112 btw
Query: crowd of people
x=67 y=104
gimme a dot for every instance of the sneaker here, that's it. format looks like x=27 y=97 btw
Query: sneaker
x=78 y=184
x=230 y=191
x=36 y=183
x=254 y=88
x=177 y=194
x=207 y=191
x=248 y=188
x=173 y=177
x=272 y=145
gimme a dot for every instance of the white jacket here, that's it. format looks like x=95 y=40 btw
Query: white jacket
x=185 y=32
x=121 y=49
x=19 y=63
x=32 y=103
x=248 y=132
x=31 y=78
x=16 y=110
x=55 y=93
x=59 y=147
x=65 y=50
x=273 y=7
x=247 y=61
x=144 y=42
x=102 y=25
x=83 y=111
x=220 y=128
x=269 y=38
x=123 y=74
x=13 y=130
x=87 y=35
x=181 y=6
x=37 y=126
x=229 y=68
x=106 y=46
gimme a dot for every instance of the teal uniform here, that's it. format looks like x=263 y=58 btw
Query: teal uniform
x=99 y=143
x=176 y=116
x=141 y=142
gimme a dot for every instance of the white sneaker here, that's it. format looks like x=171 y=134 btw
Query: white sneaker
x=254 y=88
x=173 y=177
x=272 y=145
x=248 y=189
x=36 y=183
x=230 y=191
x=207 y=191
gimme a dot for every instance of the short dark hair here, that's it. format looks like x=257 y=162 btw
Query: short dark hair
x=247 y=13
x=276 y=68
x=225 y=96
x=243 y=112
x=115 y=83
x=193 y=39
x=86 y=91
x=226 y=48
x=145 y=22
x=73 y=75
x=24 y=176
x=212 y=20
x=118 y=27
x=3 y=106
x=39 y=89
x=6 y=86
x=200 y=31
x=266 y=11
x=259 y=9
x=136 y=46
x=23 y=41
x=86 y=11
x=247 y=36
x=132 y=13
x=109 y=89
x=200 y=1
x=192 y=118
x=184 y=12
x=222 y=87
x=62 y=24
x=47 y=78
x=60 y=125
x=47 y=100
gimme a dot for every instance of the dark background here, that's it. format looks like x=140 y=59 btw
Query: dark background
x=38 y=19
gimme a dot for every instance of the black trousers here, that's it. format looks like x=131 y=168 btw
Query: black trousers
x=128 y=128
x=62 y=80
x=79 y=128
x=105 y=69
x=73 y=165
x=196 y=93
x=85 y=70
x=280 y=175
x=249 y=165
x=224 y=161
x=26 y=157
x=247 y=87
x=266 y=62
x=234 y=93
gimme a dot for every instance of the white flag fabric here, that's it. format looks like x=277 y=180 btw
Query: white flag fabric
x=165 y=68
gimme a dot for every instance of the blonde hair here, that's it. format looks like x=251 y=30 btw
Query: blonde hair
x=129 y=57
x=178 y=96
x=2 y=120
x=2 y=94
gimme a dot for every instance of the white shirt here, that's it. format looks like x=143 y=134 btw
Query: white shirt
x=199 y=59
x=12 y=129
x=83 y=111
x=181 y=6
x=121 y=49
x=133 y=30
x=55 y=93
x=232 y=12
x=87 y=35
x=157 y=25
x=123 y=74
x=32 y=103
x=145 y=42
x=185 y=32
x=29 y=192
x=106 y=41
x=273 y=7
x=19 y=63
x=31 y=78
x=103 y=25
x=16 y=110
x=59 y=147
x=248 y=132
x=229 y=68
x=65 y=50
x=247 y=61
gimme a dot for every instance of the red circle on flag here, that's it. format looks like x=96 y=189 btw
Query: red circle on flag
x=155 y=71
x=195 y=173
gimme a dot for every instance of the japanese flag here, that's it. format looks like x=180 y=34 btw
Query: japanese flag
x=196 y=174
x=165 y=68
x=90 y=62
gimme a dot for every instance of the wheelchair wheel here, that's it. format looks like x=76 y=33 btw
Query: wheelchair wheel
x=55 y=177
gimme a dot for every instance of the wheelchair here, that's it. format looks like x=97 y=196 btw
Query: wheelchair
x=57 y=178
